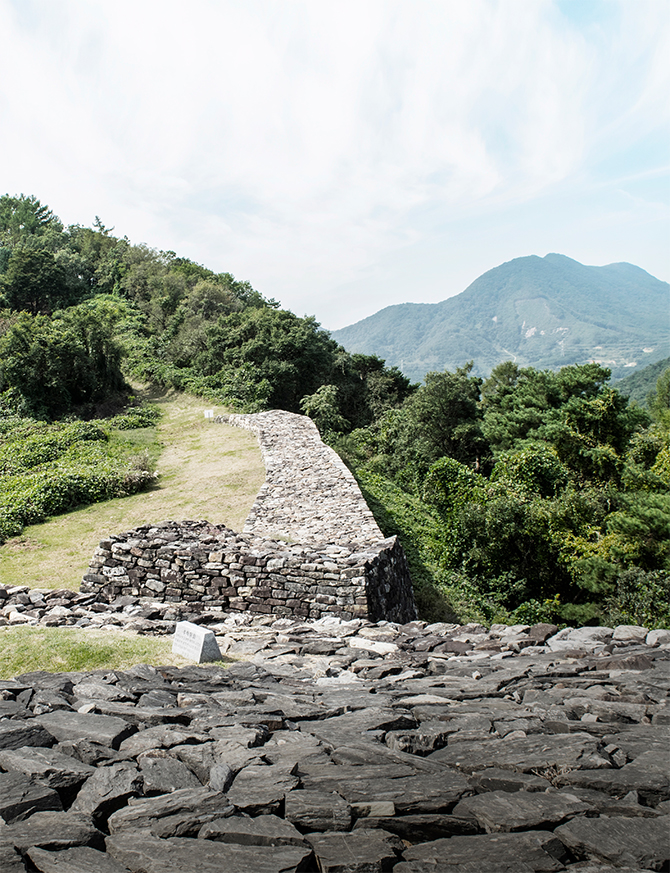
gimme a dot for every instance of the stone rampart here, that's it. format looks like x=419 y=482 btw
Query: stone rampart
x=310 y=546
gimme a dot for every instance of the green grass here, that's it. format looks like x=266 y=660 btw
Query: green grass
x=26 y=649
x=206 y=471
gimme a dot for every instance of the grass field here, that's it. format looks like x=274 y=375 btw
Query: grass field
x=206 y=471
x=26 y=649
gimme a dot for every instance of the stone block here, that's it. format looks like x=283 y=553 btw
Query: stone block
x=196 y=643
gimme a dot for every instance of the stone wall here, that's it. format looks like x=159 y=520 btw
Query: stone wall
x=310 y=546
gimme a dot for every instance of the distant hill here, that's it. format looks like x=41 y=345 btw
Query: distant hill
x=638 y=386
x=541 y=312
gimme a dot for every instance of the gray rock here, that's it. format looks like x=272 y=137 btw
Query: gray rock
x=318 y=811
x=533 y=852
x=143 y=853
x=107 y=790
x=49 y=766
x=502 y=811
x=421 y=794
x=635 y=842
x=21 y=797
x=186 y=811
x=526 y=754
x=104 y=729
x=362 y=851
x=220 y=777
x=648 y=774
x=420 y=828
x=259 y=790
x=15 y=734
x=78 y=860
x=11 y=861
x=160 y=737
x=265 y=830
x=163 y=773
x=495 y=779
x=51 y=830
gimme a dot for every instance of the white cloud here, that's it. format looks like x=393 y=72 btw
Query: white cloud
x=301 y=144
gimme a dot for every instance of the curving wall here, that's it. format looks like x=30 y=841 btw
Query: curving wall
x=310 y=545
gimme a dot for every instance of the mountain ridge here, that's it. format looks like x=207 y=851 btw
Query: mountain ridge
x=543 y=312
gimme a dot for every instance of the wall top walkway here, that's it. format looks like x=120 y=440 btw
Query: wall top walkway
x=309 y=495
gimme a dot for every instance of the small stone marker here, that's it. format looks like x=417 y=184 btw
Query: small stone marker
x=209 y=413
x=195 y=642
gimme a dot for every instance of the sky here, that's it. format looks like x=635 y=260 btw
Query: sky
x=344 y=156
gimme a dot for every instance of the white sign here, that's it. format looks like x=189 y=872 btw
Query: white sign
x=195 y=642
x=209 y=413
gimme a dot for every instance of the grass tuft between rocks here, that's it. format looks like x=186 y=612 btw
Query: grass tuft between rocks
x=63 y=650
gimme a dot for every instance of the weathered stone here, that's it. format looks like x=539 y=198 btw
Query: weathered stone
x=649 y=775
x=495 y=779
x=537 y=851
x=107 y=790
x=49 y=766
x=15 y=734
x=104 y=729
x=163 y=773
x=258 y=790
x=51 y=830
x=21 y=797
x=420 y=828
x=318 y=811
x=141 y=853
x=362 y=851
x=503 y=811
x=265 y=830
x=188 y=809
x=636 y=842
x=78 y=860
x=526 y=754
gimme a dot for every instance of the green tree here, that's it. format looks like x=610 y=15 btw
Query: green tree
x=34 y=281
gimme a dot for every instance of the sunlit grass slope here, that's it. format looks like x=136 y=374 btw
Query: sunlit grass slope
x=206 y=471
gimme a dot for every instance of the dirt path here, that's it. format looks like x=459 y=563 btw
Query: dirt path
x=206 y=471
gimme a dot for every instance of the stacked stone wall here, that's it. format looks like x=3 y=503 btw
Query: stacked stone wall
x=310 y=546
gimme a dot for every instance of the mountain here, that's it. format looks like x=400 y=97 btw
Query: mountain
x=541 y=312
x=639 y=385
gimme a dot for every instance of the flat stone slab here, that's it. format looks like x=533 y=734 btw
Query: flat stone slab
x=142 y=853
x=49 y=766
x=265 y=830
x=21 y=797
x=51 y=830
x=187 y=808
x=642 y=843
x=108 y=730
x=195 y=642
x=539 y=852
x=522 y=810
x=361 y=851
x=14 y=734
x=81 y=859
x=108 y=788
x=318 y=811
x=526 y=754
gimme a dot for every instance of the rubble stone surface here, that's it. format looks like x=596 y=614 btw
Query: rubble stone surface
x=315 y=753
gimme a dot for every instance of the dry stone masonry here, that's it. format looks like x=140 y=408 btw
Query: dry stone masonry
x=310 y=546
x=340 y=747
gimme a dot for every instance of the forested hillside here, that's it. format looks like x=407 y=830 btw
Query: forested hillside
x=533 y=494
x=540 y=312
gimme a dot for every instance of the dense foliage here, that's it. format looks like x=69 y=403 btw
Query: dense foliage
x=532 y=494
x=46 y=469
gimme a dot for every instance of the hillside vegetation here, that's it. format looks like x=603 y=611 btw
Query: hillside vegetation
x=533 y=494
x=541 y=312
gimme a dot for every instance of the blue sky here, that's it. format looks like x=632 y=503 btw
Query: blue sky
x=343 y=156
